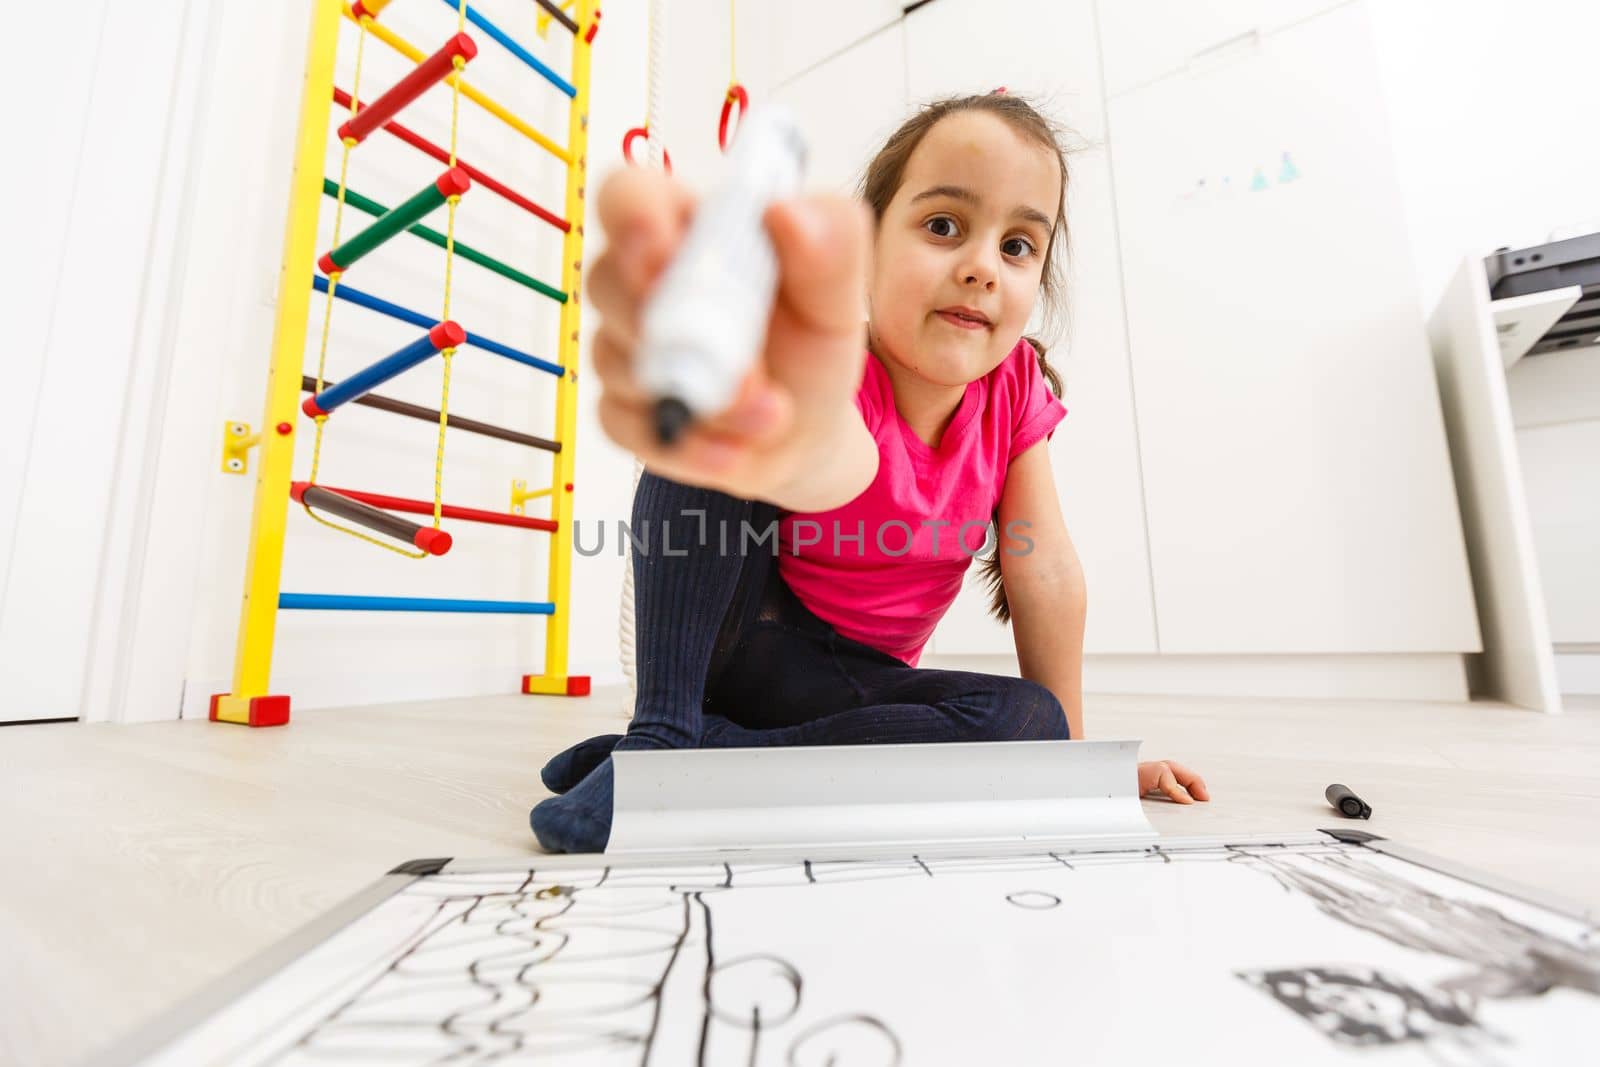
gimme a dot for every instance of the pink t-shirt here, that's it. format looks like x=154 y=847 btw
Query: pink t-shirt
x=884 y=568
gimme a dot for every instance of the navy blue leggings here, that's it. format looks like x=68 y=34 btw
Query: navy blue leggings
x=728 y=656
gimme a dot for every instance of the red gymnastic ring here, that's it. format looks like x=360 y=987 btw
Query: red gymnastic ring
x=736 y=95
x=627 y=148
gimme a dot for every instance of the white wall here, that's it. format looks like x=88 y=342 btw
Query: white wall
x=1494 y=111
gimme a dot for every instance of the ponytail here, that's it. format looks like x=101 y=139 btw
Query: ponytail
x=990 y=575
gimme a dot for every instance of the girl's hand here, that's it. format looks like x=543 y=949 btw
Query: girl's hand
x=795 y=405
x=1173 y=781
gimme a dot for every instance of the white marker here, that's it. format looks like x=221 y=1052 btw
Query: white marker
x=703 y=329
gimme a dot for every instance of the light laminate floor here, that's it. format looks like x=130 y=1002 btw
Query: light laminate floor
x=141 y=861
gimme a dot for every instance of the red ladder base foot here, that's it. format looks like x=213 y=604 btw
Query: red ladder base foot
x=250 y=711
x=571 y=685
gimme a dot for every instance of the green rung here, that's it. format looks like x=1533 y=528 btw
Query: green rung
x=372 y=207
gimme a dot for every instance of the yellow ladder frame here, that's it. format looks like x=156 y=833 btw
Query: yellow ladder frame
x=250 y=700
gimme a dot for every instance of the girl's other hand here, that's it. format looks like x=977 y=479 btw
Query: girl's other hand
x=789 y=406
x=1173 y=781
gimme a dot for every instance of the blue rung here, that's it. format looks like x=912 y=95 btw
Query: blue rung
x=417 y=318
x=369 y=378
x=339 y=602
x=514 y=48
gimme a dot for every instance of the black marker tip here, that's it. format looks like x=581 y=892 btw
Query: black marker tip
x=672 y=417
x=1349 y=805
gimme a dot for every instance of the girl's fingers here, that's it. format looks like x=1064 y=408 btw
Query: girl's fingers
x=1151 y=772
x=822 y=244
x=613 y=363
x=761 y=412
x=644 y=215
x=620 y=282
x=695 y=457
x=1170 y=786
x=609 y=294
x=639 y=200
x=1189 y=780
x=1174 y=781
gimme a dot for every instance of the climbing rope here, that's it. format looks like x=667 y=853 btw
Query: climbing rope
x=447 y=354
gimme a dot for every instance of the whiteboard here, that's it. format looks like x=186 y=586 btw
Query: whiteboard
x=1323 y=952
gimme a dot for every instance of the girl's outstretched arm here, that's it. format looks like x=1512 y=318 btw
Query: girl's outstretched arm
x=1044 y=582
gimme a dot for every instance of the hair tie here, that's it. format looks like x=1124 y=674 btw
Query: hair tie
x=997 y=92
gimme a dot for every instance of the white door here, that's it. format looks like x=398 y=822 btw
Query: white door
x=98 y=234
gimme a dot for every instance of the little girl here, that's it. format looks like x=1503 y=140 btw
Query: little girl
x=798 y=549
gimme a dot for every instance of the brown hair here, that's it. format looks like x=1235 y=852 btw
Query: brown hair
x=883 y=178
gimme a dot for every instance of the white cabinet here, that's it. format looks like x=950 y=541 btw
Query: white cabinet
x=1298 y=485
x=848 y=107
x=972 y=46
x=1095 y=452
x=1147 y=39
x=805 y=35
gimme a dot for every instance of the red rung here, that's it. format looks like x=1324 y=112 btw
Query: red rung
x=422 y=77
x=417 y=141
x=320 y=497
x=433 y=542
x=448 y=511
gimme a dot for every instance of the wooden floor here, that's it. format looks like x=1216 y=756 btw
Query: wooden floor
x=141 y=861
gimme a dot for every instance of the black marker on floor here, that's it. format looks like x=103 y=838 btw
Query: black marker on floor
x=1349 y=805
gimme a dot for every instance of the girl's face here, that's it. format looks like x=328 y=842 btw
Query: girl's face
x=960 y=248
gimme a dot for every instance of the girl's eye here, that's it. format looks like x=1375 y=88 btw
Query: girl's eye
x=941 y=226
x=1017 y=247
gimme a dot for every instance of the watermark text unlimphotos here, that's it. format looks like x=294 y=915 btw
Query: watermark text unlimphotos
x=894 y=537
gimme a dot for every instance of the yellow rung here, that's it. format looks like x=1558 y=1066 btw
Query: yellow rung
x=468 y=90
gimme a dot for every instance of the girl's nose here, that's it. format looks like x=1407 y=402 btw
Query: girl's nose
x=978 y=270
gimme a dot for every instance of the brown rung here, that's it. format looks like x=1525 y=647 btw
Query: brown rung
x=559 y=15
x=308 y=384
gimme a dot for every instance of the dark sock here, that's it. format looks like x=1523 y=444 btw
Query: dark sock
x=579 y=820
x=569 y=767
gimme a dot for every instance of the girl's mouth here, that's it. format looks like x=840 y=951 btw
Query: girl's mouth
x=964 y=318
